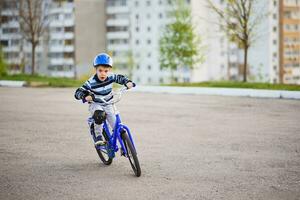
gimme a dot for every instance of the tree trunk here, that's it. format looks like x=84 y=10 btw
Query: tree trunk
x=172 y=77
x=32 y=59
x=245 y=63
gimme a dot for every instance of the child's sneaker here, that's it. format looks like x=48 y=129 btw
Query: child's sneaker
x=99 y=141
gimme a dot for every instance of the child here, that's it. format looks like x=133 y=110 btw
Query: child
x=100 y=85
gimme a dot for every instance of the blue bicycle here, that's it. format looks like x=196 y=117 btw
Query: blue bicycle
x=120 y=133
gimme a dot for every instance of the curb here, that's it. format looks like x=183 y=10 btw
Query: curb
x=12 y=83
x=276 y=94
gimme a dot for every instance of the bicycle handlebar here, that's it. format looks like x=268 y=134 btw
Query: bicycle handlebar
x=109 y=99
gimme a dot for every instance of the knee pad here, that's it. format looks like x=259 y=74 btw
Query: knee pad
x=99 y=116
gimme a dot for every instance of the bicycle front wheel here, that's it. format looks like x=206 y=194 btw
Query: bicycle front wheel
x=131 y=155
x=103 y=151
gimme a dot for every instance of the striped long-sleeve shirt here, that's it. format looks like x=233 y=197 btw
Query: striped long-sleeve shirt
x=98 y=87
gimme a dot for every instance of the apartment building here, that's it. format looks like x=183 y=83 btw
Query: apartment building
x=222 y=58
x=289 y=41
x=61 y=46
x=16 y=51
x=118 y=34
x=56 y=54
x=285 y=41
x=148 y=19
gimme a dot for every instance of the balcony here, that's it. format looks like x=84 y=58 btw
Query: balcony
x=291 y=21
x=65 y=8
x=69 y=48
x=61 y=35
x=117 y=22
x=69 y=61
x=118 y=47
x=11 y=49
x=56 y=48
x=9 y=36
x=56 y=61
x=117 y=9
x=69 y=74
x=117 y=35
x=69 y=22
x=61 y=61
x=62 y=23
x=10 y=24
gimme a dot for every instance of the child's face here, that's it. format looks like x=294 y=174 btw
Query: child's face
x=102 y=72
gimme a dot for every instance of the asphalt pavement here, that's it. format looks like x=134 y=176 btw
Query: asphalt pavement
x=189 y=147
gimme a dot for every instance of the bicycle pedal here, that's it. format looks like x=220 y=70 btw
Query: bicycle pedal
x=100 y=143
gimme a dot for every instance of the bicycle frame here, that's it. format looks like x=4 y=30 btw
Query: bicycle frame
x=114 y=137
x=118 y=129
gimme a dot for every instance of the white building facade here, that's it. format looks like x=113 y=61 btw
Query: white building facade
x=147 y=23
x=16 y=51
x=61 y=45
x=118 y=33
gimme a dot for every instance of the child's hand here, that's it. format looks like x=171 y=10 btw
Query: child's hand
x=89 y=98
x=129 y=85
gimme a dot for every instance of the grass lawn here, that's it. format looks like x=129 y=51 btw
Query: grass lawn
x=231 y=84
x=43 y=81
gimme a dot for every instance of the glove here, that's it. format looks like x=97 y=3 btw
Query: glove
x=81 y=93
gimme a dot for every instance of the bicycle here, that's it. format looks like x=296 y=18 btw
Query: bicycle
x=120 y=133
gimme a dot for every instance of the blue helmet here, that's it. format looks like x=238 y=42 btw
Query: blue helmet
x=103 y=59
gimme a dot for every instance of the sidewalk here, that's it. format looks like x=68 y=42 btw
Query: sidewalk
x=198 y=90
x=221 y=91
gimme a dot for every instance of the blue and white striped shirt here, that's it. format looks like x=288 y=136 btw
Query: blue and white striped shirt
x=103 y=88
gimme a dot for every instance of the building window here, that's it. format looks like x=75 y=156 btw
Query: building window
x=4 y=43
x=274 y=29
x=149 y=67
x=148 y=28
x=148 y=16
x=137 y=29
x=149 y=41
x=136 y=3
x=137 y=16
x=137 y=42
x=149 y=80
x=137 y=66
x=149 y=55
x=161 y=80
x=160 y=15
x=148 y=3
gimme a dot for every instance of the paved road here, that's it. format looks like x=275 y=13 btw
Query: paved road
x=190 y=147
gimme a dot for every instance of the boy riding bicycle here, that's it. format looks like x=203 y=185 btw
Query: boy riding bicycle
x=100 y=85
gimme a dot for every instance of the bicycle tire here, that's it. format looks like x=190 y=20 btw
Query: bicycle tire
x=135 y=165
x=103 y=154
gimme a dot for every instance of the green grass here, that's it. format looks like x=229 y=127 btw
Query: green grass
x=231 y=84
x=43 y=81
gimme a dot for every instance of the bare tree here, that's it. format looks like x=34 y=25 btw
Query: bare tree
x=239 y=19
x=33 y=23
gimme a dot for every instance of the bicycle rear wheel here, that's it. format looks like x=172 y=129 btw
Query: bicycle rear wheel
x=103 y=151
x=131 y=155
